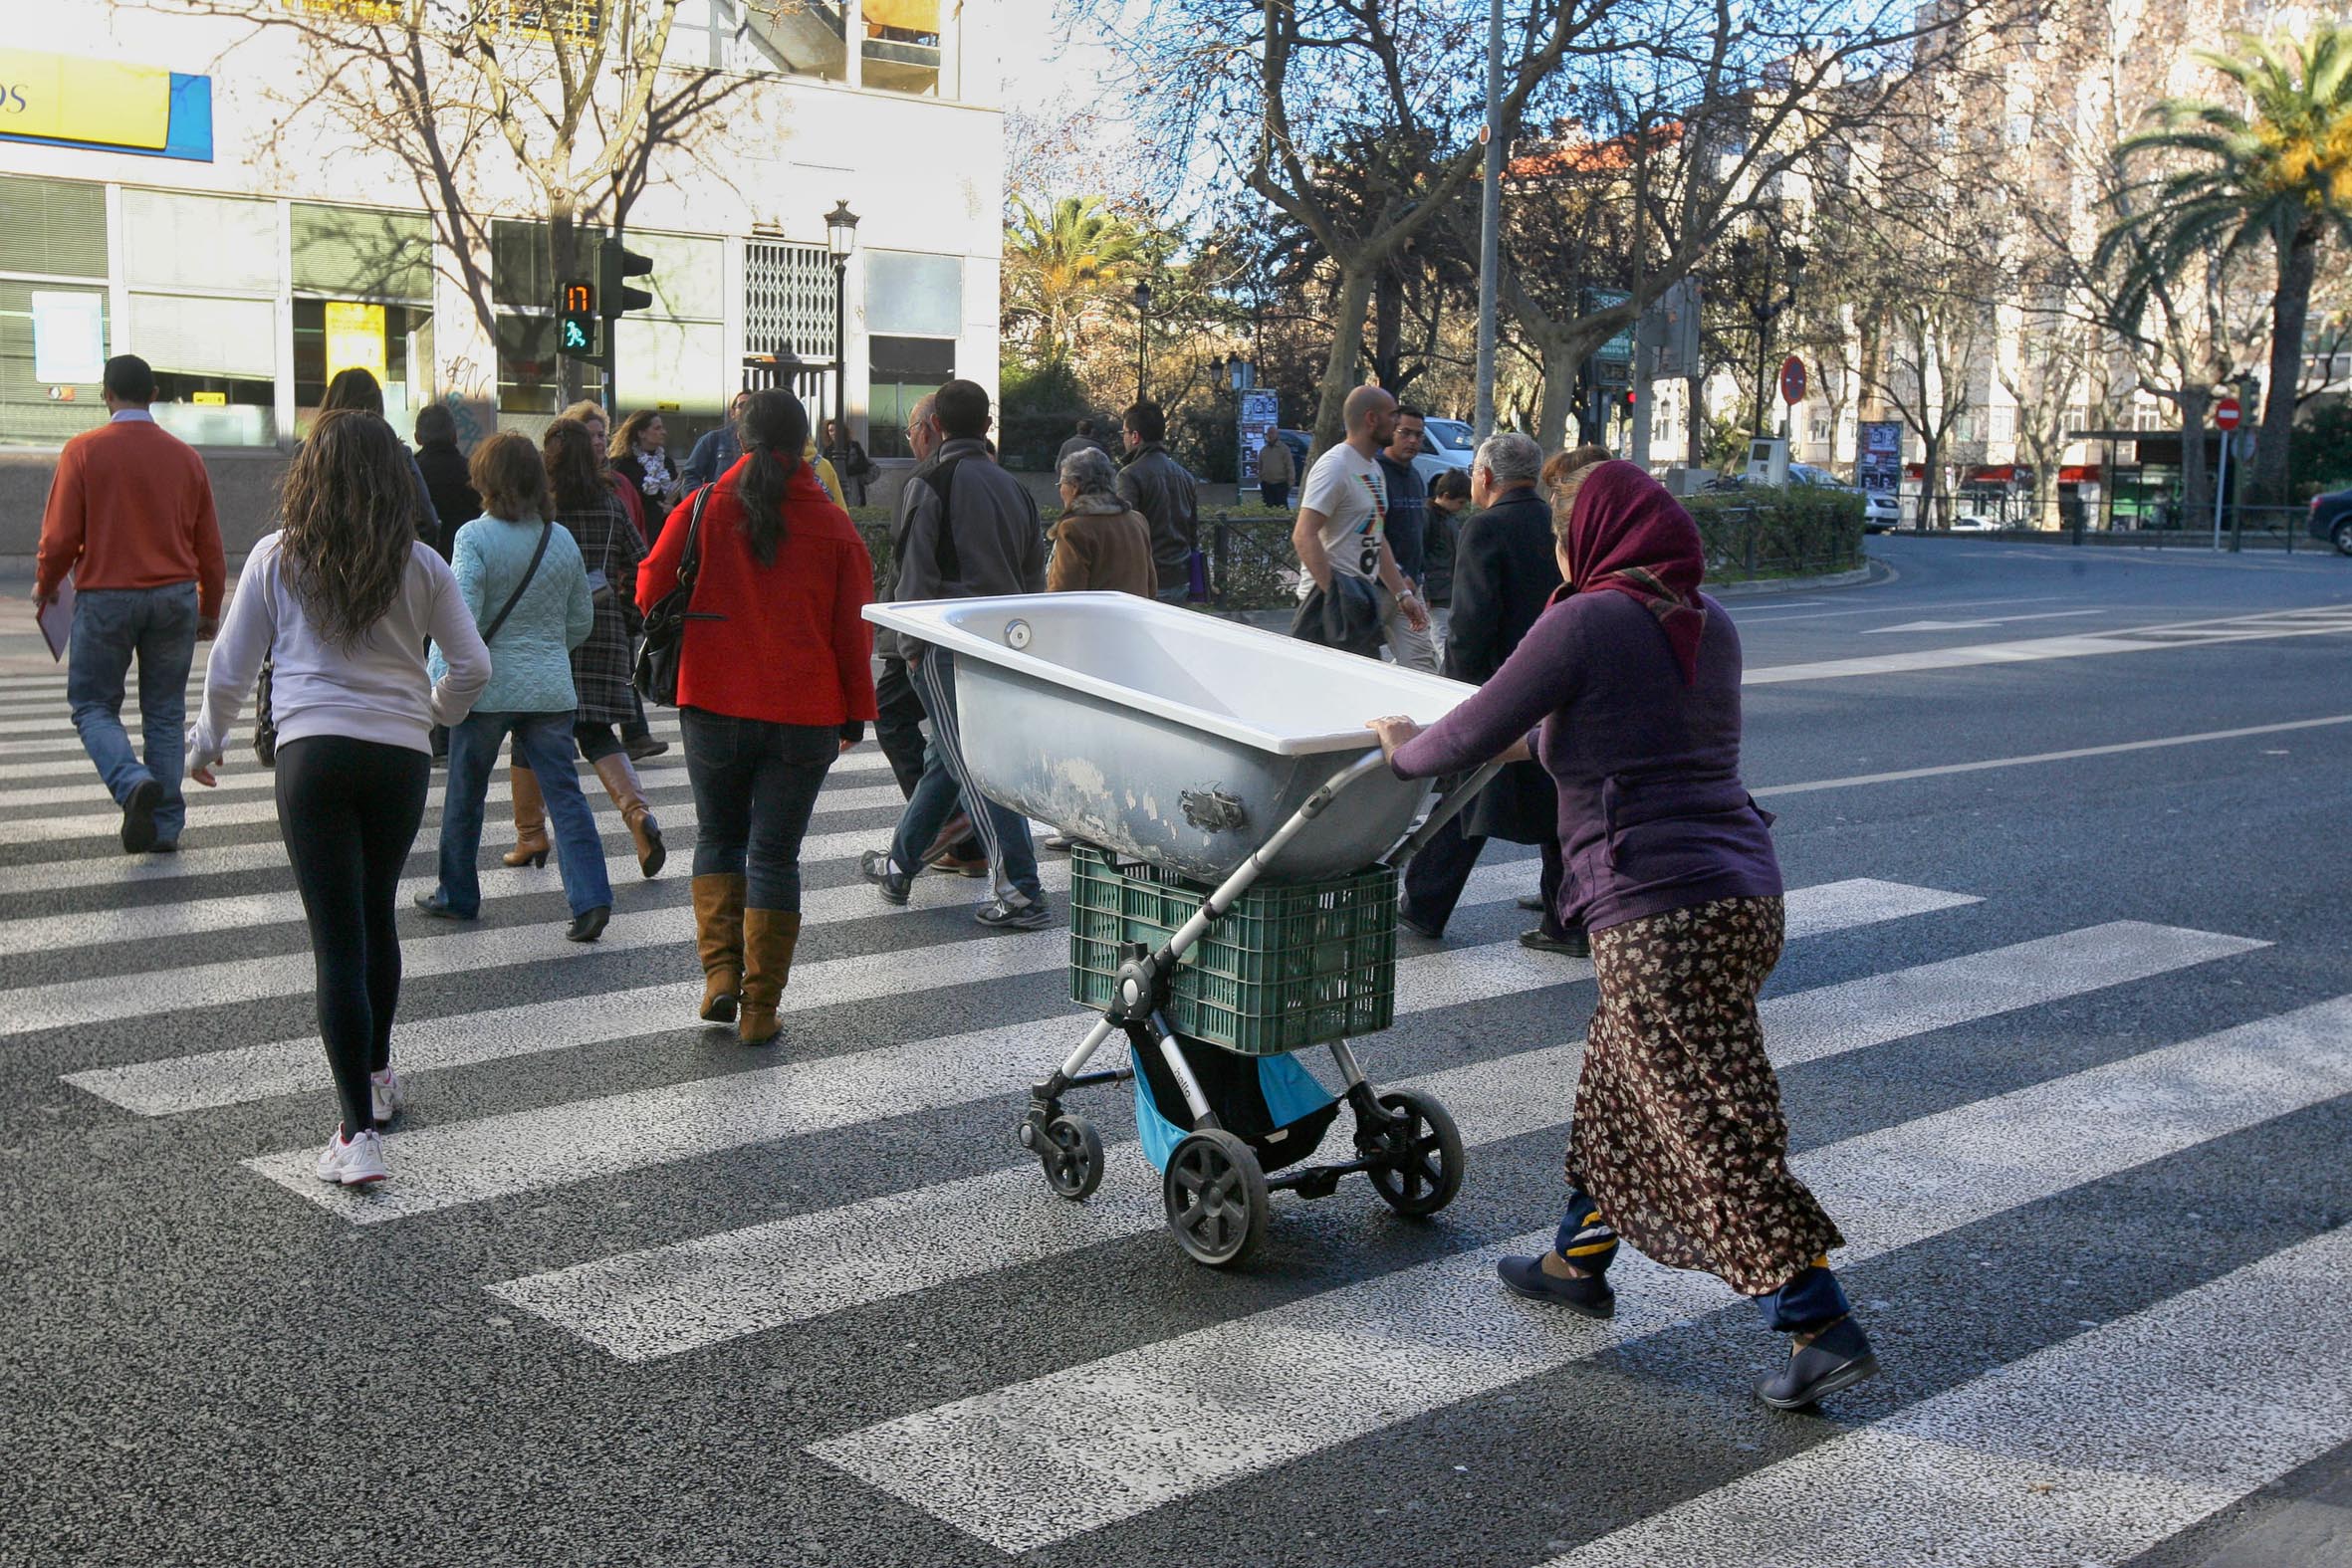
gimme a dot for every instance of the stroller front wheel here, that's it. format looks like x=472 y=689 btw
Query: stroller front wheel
x=1216 y=1199
x=1420 y=1154
x=1073 y=1157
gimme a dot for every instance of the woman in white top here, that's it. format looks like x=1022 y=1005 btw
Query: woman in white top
x=342 y=600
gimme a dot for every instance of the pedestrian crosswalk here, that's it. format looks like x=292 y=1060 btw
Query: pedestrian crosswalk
x=2084 y=1447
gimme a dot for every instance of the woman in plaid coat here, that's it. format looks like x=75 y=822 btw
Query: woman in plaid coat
x=602 y=665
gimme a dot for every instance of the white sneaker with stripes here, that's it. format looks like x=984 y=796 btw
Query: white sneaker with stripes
x=354 y=1162
x=387 y=1095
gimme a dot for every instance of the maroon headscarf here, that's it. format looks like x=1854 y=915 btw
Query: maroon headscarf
x=1628 y=534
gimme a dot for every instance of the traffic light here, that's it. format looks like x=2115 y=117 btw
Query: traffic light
x=576 y=319
x=616 y=265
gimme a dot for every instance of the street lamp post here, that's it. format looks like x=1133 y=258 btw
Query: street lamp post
x=841 y=237
x=1143 y=318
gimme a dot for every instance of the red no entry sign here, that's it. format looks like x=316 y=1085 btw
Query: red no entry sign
x=1792 y=380
x=2226 y=413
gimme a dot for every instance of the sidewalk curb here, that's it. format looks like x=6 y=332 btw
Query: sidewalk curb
x=1871 y=571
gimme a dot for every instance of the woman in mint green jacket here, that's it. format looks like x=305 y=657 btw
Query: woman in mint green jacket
x=529 y=695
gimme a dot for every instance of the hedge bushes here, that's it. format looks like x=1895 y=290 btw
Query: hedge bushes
x=1762 y=532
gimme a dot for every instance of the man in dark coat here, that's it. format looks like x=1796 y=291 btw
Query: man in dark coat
x=1161 y=488
x=1505 y=573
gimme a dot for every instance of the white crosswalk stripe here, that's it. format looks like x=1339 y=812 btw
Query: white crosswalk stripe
x=1160 y=1420
x=2089 y=1448
x=2091 y=1451
x=658 y=1302
x=472 y=1161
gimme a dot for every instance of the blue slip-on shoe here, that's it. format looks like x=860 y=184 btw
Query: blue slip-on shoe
x=1588 y=1295
x=1835 y=1359
x=139 y=816
x=437 y=906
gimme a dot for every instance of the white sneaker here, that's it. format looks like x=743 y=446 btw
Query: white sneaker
x=386 y=1094
x=354 y=1162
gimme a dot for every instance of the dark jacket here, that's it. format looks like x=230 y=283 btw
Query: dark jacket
x=1653 y=815
x=602 y=667
x=1161 y=488
x=1101 y=545
x=452 y=491
x=1437 y=555
x=1505 y=572
x=993 y=543
x=656 y=504
x=1408 y=516
x=1345 y=615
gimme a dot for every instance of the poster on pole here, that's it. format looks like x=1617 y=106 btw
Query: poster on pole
x=1260 y=411
x=1878 y=461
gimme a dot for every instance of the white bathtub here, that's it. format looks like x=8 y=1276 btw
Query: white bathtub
x=1169 y=734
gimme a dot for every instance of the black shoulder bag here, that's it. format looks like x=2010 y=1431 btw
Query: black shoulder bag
x=656 y=676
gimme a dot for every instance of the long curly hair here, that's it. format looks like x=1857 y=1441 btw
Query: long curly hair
x=349 y=506
x=571 y=469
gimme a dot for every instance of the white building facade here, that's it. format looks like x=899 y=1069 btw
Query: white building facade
x=167 y=190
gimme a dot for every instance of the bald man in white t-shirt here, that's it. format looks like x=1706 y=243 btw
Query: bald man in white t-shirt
x=1342 y=526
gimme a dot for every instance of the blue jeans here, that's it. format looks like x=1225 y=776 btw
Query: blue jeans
x=543 y=744
x=755 y=786
x=1004 y=833
x=158 y=627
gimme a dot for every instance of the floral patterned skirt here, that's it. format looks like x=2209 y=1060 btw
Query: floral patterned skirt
x=1677 y=1131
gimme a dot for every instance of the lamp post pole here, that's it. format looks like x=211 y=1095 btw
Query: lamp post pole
x=840 y=238
x=1142 y=319
x=1489 y=226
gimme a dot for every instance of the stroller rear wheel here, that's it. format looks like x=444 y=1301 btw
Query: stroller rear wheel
x=1216 y=1198
x=1073 y=1157
x=1420 y=1154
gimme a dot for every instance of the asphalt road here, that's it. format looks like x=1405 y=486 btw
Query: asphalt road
x=2064 y=1031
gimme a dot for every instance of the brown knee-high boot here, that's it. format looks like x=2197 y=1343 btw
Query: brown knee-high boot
x=620 y=783
x=769 y=937
x=531 y=840
x=718 y=932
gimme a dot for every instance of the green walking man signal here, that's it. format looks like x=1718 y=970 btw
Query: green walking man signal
x=576 y=321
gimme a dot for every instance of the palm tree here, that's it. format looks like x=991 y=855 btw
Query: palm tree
x=1059 y=263
x=2275 y=172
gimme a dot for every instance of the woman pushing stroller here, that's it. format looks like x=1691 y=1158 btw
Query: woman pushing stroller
x=1678 y=1144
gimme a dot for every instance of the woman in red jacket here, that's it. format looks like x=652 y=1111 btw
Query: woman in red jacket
x=768 y=693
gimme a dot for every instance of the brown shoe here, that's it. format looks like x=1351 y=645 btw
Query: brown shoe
x=620 y=783
x=768 y=938
x=953 y=848
x=718 y=933
x=531 y=840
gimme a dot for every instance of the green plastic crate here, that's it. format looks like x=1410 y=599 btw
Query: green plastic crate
x=1287 y=968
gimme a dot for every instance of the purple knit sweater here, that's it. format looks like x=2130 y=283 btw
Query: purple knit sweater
x=1652 y=813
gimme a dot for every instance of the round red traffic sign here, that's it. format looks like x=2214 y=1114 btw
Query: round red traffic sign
x=1792 y=380
x=2226 y=413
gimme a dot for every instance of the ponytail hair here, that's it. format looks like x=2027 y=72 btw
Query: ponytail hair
x=774 y=428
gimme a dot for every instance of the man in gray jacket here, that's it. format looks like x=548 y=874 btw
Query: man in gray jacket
x=1161 y=488
x=965 y=528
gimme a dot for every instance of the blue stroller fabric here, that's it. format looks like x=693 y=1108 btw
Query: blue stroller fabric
x=1271 y=1102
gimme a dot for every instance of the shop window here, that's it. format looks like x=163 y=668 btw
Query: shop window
x=54 y=226
x=215 y=362
x=901 y=373
x=914 y=296
x=673 y=366
x=363 y=252
x=391 y=341
x=528 y=368
x=174 y=241
x=48 y=336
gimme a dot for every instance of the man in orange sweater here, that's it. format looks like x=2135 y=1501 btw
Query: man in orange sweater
x=131 y=518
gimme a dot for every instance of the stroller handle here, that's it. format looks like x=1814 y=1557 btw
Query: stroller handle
x=1449 y=805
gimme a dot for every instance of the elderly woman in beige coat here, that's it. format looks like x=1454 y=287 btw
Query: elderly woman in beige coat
x=1099 y=543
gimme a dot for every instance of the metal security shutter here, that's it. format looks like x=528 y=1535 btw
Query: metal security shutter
x=52 y=226
x=788 y=299
x=357 y=252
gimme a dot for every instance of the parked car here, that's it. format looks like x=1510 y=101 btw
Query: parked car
x=1451 y=442
x=2332 y=520
x=1882 y=511
x=1976 y=522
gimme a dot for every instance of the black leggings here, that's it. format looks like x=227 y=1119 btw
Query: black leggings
x=348 y=811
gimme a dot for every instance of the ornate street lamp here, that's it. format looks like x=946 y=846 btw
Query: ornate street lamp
x=1142 y=317
x=841 y=237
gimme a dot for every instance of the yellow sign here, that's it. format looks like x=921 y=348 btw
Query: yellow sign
x=66 y=98
x=209 y=399
x=355 y=339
